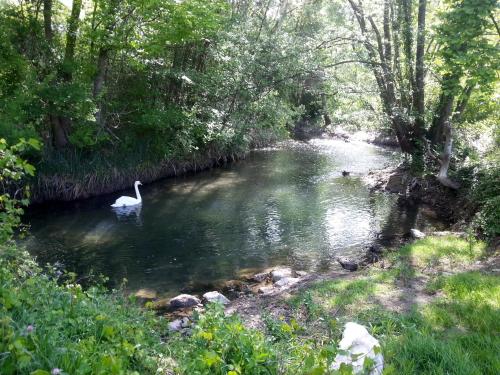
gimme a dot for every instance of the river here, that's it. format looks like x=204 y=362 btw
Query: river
x=288 y=205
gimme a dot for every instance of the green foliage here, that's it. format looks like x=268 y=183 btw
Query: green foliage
x=14 y=192
x=466 y=50
x=219 y=345
x=48 y=321
x=487 y=193
x=181 y=79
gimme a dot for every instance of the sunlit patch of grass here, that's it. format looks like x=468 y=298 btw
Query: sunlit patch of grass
x=334 y=296
x=458 y=331
x=432 y=251
x=417 y=352
x=470 y=304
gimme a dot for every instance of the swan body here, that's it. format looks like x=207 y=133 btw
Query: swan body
x=129 y=201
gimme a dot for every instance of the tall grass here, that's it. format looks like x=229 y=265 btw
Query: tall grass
x=77 y=174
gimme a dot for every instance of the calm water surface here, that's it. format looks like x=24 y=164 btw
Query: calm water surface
x=289 y=205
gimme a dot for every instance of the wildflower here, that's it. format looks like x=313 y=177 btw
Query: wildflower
x=30 y=329
x=56 y=371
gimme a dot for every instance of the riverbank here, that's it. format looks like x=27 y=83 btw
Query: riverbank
x=81 y=183
x=74 y=175
x=433 y=305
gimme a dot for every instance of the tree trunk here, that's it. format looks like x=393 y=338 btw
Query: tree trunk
x=419 y=93
x=69 y=53
x=99 y=79
x=436 y=132
x=61 y=125
x=462 y=104
x=446 y=158
x=47 y=19
x=59 y=134
x=408 y=46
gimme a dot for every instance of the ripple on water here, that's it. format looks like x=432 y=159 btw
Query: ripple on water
x=284 y=205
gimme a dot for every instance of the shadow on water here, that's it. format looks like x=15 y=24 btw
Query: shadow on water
x=289 y=205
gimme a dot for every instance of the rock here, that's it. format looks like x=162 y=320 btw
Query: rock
x=348 y=264
x=287 y=281
x=266 y=289
x=415 y=233
x=376 y=249
x=396 y=184
x=301 y=273
x=260 y=277
x=216 y=297
x=175 y=325
x=179 y=324
x=357 y=345
x=184 y=300
x=281 y=273
x=234 y=288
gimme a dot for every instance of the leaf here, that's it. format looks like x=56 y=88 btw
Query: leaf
x=39 y=372
x=211 y=358
x=108 y=332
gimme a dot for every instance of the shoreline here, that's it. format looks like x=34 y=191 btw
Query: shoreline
x=63 y=187
x=55 y=188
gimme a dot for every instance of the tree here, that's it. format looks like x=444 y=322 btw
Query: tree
x=399 y=77
x=468 y=60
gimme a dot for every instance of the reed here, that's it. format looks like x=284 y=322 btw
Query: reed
x=76 y=175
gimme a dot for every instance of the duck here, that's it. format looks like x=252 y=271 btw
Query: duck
x=345 y=173
x=125 y=201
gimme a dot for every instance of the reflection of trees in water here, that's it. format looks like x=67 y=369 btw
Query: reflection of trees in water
x=400 y=220
x=271 y=209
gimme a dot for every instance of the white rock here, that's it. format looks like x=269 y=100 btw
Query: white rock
x=287 y=281
x=184 y=300
x=301 y=273
x=175 y=325
x=415 y=233
x=266 y=289
x=216 y=297
x=357 y=342
x=281 y=273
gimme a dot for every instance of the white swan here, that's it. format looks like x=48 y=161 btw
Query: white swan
x=129 y=201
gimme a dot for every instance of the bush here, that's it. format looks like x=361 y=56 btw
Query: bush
x=46 y=324
x=487 y=194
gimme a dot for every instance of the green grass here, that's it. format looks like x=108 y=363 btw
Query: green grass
x=456 y=332
x=48 y=322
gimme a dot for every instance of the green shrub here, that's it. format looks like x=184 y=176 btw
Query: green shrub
x=222 y=345
x=46 y=325
x=487 y=194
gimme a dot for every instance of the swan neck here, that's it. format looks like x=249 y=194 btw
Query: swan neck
x=137 y=194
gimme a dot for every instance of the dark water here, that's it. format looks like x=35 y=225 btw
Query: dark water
x=288 y=205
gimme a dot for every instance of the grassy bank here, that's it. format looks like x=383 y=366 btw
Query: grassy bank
x=434 y=306
x=77 y=174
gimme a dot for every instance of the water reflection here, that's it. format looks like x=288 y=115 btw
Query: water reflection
x=128 y=213
x=279 y=206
